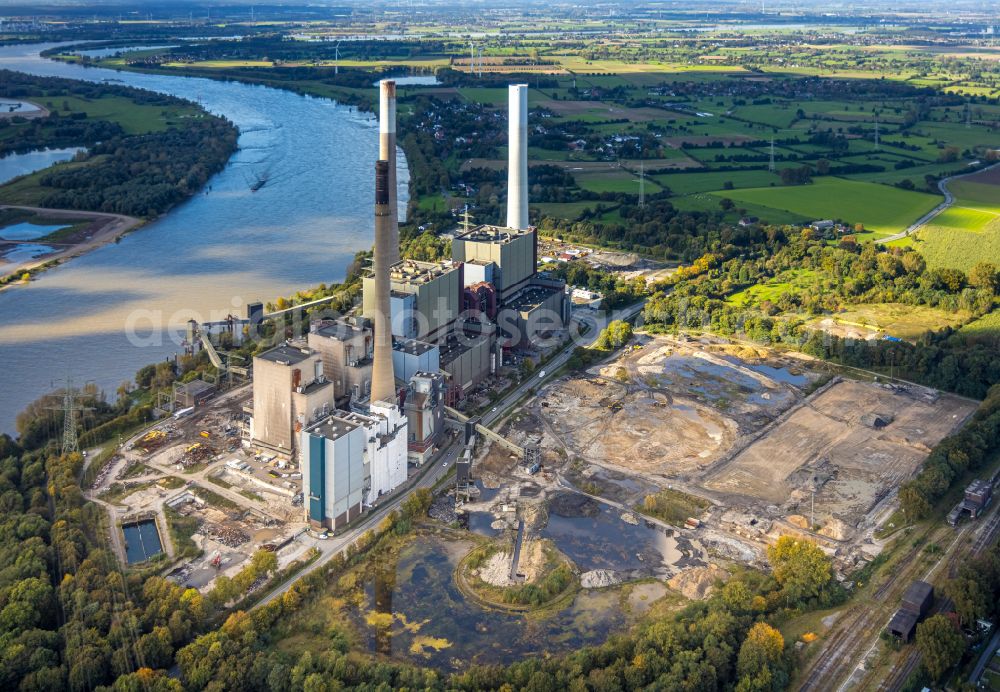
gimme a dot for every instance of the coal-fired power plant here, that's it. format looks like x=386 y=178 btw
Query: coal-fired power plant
x=517 y=164
x=383 y=378
x=387 y=152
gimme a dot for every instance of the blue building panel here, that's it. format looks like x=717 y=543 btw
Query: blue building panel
x=317 y=477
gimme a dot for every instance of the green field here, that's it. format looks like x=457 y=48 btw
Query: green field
x=902 y=321
x=614 y=180
x=967 y=232
x=774 y=288
x=707 y=181
x=134 y=118
x=882 y=209
x=986 y=327
x=567 y=210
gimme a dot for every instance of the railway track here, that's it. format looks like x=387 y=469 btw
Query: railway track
x=852 y=630
x=985 y=534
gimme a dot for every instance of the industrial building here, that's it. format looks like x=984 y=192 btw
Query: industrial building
x=504 y=257
x=333 y=473
x=425 y=298
x=978 y=496
x=346 y=350
x=424 y=407
x=290 y=391
x=367 y=393
x=917 y=602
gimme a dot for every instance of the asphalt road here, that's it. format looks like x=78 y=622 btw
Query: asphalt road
x=949 y=199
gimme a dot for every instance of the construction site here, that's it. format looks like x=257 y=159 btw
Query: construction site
x=716 y=450
x=188 y=488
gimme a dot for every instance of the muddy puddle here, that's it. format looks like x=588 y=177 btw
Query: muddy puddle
x=413 y=611
x=594 y=536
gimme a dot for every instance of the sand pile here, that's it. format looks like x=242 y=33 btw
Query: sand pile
x=697 y=583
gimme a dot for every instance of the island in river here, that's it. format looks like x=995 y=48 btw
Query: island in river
x=130 y=155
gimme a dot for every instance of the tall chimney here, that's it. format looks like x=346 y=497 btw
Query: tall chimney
x=517 y=151
x=387 y=152
x=383 y=378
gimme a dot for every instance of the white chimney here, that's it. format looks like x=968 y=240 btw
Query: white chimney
x=387 y=152
x=517 y=164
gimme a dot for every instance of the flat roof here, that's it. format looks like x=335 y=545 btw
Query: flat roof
x=455 y=347
x=286 y=354
x=412 y=346
x=340 y=330
x=488 y=233
x=334 y=427
x=918 y=592
x=315 y=386
x=196 y=387
x=531 y=297
x=416 y=272
x=903 y=622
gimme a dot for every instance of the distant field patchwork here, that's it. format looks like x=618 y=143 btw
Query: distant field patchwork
x=881 y=208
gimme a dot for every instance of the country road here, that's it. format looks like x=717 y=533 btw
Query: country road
x=949 y=199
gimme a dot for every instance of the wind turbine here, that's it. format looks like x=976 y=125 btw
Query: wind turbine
x=336 y=63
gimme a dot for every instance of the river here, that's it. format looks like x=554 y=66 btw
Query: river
x=207 y=257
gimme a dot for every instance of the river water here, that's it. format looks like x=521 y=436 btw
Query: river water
x=209 y=256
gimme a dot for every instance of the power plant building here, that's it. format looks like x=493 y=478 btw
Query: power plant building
x=333 y=470
x=430 y=332
x=290 y=391
x=425 y=298
x=410 y=356
x=512 y=252
x=346 y=351
x=386 y=451
x=424 y=407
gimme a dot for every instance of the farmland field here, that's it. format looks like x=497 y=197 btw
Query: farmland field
x=969 y=231
x=882 y=209
x=986 y=327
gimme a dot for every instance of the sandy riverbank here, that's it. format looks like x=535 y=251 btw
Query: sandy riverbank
x=103 y=229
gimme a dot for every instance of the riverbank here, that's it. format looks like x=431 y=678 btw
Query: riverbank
x=103 y=229
x=39 y=111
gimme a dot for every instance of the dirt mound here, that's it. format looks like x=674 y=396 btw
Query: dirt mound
x=572 y=505
x=697 y=583
x=496 y=570
x=798 y=520
x=599 y=579
x=837 y=530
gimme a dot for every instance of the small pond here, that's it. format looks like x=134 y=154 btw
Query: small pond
x=142 y=541
x=28 y=231
x=24 y=252
x=594 y=536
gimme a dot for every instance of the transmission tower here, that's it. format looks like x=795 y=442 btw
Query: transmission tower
x=70 y=408
x=770 y=166
x=642 y=184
